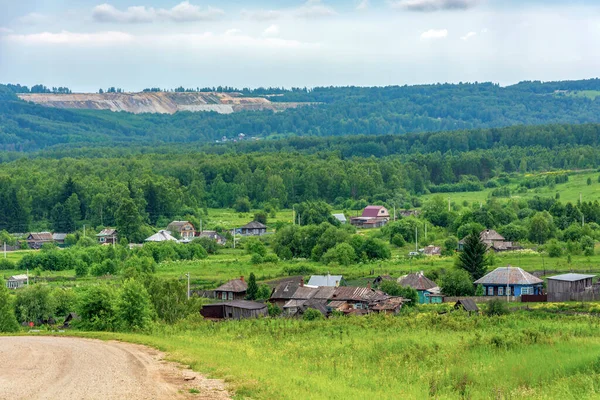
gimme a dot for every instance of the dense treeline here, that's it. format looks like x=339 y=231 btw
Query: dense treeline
x=345 y=111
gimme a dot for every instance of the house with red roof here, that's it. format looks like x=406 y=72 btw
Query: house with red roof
x=372 y=217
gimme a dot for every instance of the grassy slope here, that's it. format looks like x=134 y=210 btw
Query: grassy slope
x=415 y=356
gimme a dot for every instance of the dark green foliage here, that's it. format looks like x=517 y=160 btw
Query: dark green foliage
x=252 y=291
x=457 y=282
x=6 y=264
x=479 y=291
x=450 y=246
x=242 y=205
x=96 y=307
x=312 y=315
x=256 y=259
x=342 y=254
x=394 y=289
x=376 y=249
x=211 y=246
x=315 y=213
x=64 y=300
x=264 y=292
x=261 y=216
x=35 y=304
x=496 y=307
x=554 y=248
x=8 y=321
x=274 y=310
x=169 y=299
x=255 y=246
x=473 y=256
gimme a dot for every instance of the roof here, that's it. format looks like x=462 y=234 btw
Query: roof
x=235 y=285
x=254 y=225
x=417 y=281
x=177 y=225
x=390 y=304
x=245 y=304
x=18 y=278
x=161 y=236
x=340 y=217
x=571 y=277
x=59 y=236
x=491 y=235
x=508 y=275
x=349 y=293
x=432 y=250
x=107 y=232
x=374 y=212
x=467 y=304
x=41 y=236
x=325 y=280
x=285 y=290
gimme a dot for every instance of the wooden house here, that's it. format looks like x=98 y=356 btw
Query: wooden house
x=428 y=290
x=233 y=290
x=59 y=238
x=17 y=281
x=494 y=241
x=372 y=217
x=235 y=309
x=213 y=235
x=560 y=287
x=389 y=306
x=432 y=250
x=35 y=240
x=184 y=229
x=510 y=281
x=107 y=236
x=253 y=228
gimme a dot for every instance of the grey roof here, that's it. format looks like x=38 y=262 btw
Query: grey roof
x=417 y=281
x=161 y=236
x=41 y=236
x=59 y=236
x=245 y=304
x=254 y=225
x=325 y=280
x=571 y=277
x=107 y=232
x=340 y=217
x=508 y=275
x=467 y=304
x=235 y=285
x=18 y=278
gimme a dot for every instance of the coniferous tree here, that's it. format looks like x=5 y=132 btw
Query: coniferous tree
x=472 y=259
x=252 y=290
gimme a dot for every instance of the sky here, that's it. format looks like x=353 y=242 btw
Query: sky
x=135 y=44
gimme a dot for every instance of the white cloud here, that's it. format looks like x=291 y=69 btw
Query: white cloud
x=182 y=12
x=314 y=9
x=468 y=36
x=72 y=38
x=435 y=34
x=362 y=5
x=232 y=32
x=4 y=30
x=33 y=19
x=433 y=5
x=272 y=30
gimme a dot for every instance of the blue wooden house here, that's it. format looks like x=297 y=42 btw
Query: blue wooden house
x=428 y=290
x=510 y=281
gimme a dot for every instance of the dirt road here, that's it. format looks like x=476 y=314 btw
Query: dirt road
x=70 y=368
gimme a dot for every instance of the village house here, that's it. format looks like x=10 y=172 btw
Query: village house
x=235 y=309
x=213 y=235
x=107 y=236
x=428 y=290
x=184 y=229
x=235 y=289
x=17 y=281
x=432 y=250
x=561 y=287
x=35 y=240
x=326 y=280
x=372 y=217
x=341 y=218
x=510 y=281
x=494 y=241
x=357 y=298
x=161 y=236
x=253 y=228
x=59 y=238
x=389 y=306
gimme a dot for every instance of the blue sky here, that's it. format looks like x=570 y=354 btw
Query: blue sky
x=87 y=44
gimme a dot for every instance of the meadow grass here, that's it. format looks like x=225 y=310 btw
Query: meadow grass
x=533 y=355
x=590 y=94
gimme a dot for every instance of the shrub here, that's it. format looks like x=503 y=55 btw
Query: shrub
x=6 y=264
x=97 y=309
x=496 y=307
x=394 y=289
x=554 y=248
x=255 y=246
x=342 y=254
x=256 y=259
x=242 y=205
x=311 y=315
x=81 y=269
x=34 y=304
x=457 y=282
x=398 y=240
x=134 y=308
x=8 y=321
x=64 y=300
x=271 y=258
x=274 y=310
x=376 y=249
x=208 y=244
x=261 y=216
x=252 y=291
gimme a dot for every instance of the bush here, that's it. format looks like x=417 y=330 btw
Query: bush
x=394 y=289
x=64 y=300
x=256 y=259
x=96 y=308
x=242 y=205
x=35 y=304
x=134 y=308
x=8 y=321
x=342 y=254
x=554 y=248
x=255 y=246
x=261 y=216
x=398 y=240
x=208 y=244
x=457 y=282
x=376 y=249
x=271 y=258
x=6 y=264
x=81 y=269
x=496 y=307
x=274 y=310
x=311 y=315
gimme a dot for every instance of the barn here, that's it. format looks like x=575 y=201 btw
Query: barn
x=236 y=309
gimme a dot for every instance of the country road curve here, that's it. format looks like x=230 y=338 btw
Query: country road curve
x=44 y=367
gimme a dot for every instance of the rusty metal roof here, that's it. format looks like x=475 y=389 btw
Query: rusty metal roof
x=235 y=285
x=508 y=275
x=350 y=293
x=417 y=281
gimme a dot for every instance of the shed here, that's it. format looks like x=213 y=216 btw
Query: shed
x=467 y=305
x=567 y=284
x=69 y=319
x=236 y=309
x=341 y=218
x=213 y=235
x=59 y=238
x=107 y=236
x=17 y=281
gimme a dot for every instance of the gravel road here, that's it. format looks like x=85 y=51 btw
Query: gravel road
x=44 y=367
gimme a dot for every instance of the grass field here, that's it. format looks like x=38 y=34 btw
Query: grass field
x=590 y=94
x=531 y=355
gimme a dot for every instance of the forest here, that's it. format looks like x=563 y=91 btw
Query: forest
x=341 y=111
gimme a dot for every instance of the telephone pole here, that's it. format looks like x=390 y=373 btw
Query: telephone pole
x=188 y=285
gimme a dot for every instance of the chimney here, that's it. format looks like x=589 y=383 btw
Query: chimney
x=337 y=283
x=301 y=282
x=369 y=285
x=242 y=278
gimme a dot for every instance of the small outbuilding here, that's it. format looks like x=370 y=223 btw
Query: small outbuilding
x=17 y=281
x=35 y=240
x=428 y=291
x=466 y=305
x=107 y=236
x=237 y=309
x=560 y=287
x=341 y=218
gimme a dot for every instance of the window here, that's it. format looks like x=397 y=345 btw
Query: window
x=527 y=290
x=508 y=291
x=490 y=291
x=102 y=239
x=230 y=295
x=500 y=291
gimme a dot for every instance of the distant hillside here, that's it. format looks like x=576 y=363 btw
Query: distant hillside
x=156 y=102
x=393 y=110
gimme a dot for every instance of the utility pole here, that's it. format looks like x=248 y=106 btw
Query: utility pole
x=394 y=212
x=188 y=287
x=425 y=230
x=5 y=250
x=294 y=214
x=416 y=239
x=83 y=230
x=507 y=284
x=448 y=204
